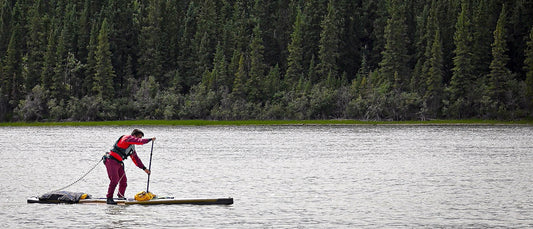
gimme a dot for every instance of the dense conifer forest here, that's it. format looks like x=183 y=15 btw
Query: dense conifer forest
x=84 y=60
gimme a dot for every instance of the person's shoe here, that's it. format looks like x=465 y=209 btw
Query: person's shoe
x=111 y=201
x=121 y=198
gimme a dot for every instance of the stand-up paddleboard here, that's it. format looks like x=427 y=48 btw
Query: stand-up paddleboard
x=163 y=200
x=146 y=198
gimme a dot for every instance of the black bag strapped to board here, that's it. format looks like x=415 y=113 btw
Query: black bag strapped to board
x=63 y=197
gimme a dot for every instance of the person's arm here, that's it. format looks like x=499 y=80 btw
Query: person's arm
x=137 y=141
x=137 y=161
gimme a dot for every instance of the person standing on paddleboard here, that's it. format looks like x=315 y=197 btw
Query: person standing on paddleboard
x=124 y=147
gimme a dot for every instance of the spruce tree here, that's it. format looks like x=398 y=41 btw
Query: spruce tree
x=84 y=32
x=461 y=84
x=481 y=37
x=105 y=74
x=11 y=78
x=90 y=69
x=150 y=59
x=273 y=84
x=499 y=75
x=49 y=62
x=187 y=58
x=421 y=74
x=204 y=39
x=395 y=56
x=528 y=67
x=296 y=51
x=239 y=90
x=265 y=13
x=36 y=42
x=219 y=80
x=123 y=37
x=329 y=53
x=434 y=90
x=5 y=25
x=58 y=88
x=313 y=14
x=258 y=67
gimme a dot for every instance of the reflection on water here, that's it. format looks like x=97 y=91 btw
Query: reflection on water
x=280 y=176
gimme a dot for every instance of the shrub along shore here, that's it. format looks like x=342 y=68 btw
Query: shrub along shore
x=268 y=122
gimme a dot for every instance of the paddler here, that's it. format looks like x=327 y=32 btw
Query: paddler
x=124 y=147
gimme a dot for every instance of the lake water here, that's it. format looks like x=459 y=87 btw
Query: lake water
x=279 y=176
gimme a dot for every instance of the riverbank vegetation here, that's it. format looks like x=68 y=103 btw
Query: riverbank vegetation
x=266 y=122
x=82 y=60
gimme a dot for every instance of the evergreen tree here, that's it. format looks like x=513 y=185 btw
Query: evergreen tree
x=241 y=76
x=425 y=47
x=434 y=91
x=350 y=48
x=528 y=67
x=241 y=28
x=312 y=16
x=265 y=14
x=395 y=56
x=104 y=74
x=36 y=42
x=187 y=58
x=50 y=60
x=482 y=38
x=520 y=14
x=218 y=77
x=284 y=19
x=58 y=87
x=273 y=84
x=84 y=31
x=5 y=24
x=11 y=77
x=296 y=51
x=329 y=53
x=461 y=85
x=204 y=39
x=123 y=37
x=90 y=69
x=498 y=85
x=171 y=31
x=255 y=83
x=374 y=19
x=150 y=59
x=70 y=28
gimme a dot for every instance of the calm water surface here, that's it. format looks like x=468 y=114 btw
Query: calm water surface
x=279 y=176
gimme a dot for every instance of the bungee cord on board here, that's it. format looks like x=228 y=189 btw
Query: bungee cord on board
x=81 y=178
x=84 y=175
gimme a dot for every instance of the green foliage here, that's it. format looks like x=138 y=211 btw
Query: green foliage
x=296 y=50
x=329 y=44
x=500 y=75
x=528 y=66
x=105 y=74
x=227 y=60
x=33 y=108
x=394 y=64
x=462 y=82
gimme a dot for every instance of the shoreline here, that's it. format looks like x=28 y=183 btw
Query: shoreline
x=266 y=122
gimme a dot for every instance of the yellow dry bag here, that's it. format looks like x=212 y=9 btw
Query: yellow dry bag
x=144 y=196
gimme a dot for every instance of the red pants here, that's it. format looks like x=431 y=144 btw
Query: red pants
x=115 y=171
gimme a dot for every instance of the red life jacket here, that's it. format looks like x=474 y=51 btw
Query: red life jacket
x=122 y=150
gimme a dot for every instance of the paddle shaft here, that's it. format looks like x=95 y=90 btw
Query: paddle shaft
x=150 y=167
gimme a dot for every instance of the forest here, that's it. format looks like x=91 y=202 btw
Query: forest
x=83 y=60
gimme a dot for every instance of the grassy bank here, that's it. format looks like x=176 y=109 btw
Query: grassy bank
x=269 y=122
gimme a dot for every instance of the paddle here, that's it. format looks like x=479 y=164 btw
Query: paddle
x=150 y=167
